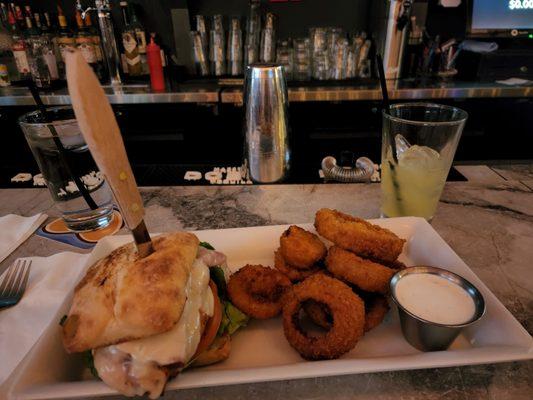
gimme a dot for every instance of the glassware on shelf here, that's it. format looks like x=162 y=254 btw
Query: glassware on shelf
x=318 y=40
x=363 y=65
x=218 y=23
x=332 y=36
x=199 y=54
x=351 y=63
x=217 y=52
x=39 y=49
x=267 y=52
x=285 y=57
x=302 y=59
x=321 y=65
x=234 y=56
x=201 y=28
x=339 y=60
x=253 y=34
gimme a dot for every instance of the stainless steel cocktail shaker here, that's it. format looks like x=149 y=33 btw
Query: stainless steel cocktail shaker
x=266 y=123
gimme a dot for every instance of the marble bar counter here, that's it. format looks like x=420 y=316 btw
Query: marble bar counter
x=488 y=221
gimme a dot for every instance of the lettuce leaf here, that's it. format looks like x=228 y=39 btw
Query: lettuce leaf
x=207 y=245
x=232 y=319
x=89 y=363
x=217 y=275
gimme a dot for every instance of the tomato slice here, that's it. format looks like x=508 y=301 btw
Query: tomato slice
x=212 y=325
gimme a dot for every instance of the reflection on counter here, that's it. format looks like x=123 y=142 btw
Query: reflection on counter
x=231 y=92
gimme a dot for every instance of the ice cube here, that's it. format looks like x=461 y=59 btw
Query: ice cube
x=401 y=144
x=419 y=157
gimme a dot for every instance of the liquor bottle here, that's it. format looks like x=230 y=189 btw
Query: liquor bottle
x=19 y=17
x=31 y=26
x=52 y=53
x=129 y=41
x=3 y=15
x=85 y=44
x=8 y=68
x=65 y=40
x=19 y=47
x=96 y=39
x=51 y=31
x=140 y=35
x=4 y=76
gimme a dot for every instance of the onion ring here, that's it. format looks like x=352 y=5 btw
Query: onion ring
x=347 y=311
x=376 y=308
x=295 y=275
x=358 y=235
x=300 y=248
x=365 y=274
x=257 y=291
x=318 y=313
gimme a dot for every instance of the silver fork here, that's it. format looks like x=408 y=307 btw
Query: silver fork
x=14 y=283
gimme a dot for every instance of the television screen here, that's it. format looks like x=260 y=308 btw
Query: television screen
x=502 y=14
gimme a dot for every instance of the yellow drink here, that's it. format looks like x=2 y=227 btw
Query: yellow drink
x=414 y=185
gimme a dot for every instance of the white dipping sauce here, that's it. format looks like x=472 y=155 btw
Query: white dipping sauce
x=435 y=299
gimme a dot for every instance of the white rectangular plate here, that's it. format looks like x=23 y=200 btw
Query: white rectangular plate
x=260 y=352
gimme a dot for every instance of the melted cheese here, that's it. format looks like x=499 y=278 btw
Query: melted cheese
x=130 y=378
x=133 y=367
x=180 y=343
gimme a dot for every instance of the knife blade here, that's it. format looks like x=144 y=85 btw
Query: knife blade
x=101 y=133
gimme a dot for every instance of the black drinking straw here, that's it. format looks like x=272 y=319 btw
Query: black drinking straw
x=386 y=107
x=62 y=152
x=385 y=95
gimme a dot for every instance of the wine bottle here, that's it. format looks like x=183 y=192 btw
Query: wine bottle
x=129 y=41
x=19 y=47
x=65 y=40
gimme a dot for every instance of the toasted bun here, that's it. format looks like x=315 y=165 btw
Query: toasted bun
x=123 y=297
x=218 y=351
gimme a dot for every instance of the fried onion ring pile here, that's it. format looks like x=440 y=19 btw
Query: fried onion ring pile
x=257 y=291
x=365 y=274
x=300 y=248
x=347 y=311
x=357 y=235
x=294 y=274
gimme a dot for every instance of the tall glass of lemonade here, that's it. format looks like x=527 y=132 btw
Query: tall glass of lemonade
x=419 y=143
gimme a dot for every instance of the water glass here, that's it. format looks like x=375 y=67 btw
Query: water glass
x=62 y=167
x=418 y=145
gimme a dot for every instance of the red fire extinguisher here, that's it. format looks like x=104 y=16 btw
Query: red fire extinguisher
x=153 y=55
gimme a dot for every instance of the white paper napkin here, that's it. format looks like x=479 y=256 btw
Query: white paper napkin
x=14 y=230
x=51 y=279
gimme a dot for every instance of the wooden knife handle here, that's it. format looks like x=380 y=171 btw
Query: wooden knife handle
x=101 y=132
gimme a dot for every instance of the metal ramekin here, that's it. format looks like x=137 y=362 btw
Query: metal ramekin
x=426 y=335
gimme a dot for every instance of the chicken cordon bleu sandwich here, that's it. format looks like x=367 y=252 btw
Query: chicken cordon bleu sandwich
x=142 y=321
